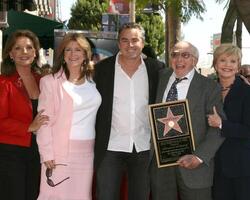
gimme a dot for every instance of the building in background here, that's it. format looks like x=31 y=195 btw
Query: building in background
x=45 y=8
x=117 y=14
x=118 y=7
x=215 y=42
x=18 y=5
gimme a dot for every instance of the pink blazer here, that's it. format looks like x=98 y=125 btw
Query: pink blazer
x=53 y=138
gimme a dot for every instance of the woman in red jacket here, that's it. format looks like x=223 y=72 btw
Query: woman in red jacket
x=19 y=91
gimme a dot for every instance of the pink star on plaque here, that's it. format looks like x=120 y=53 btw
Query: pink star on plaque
x=170 y=122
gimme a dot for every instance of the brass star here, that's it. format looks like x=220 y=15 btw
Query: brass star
x=170 y=122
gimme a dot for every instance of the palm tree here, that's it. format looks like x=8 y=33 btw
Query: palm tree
x=237 y=10
x=176 y=12
x=243 y=7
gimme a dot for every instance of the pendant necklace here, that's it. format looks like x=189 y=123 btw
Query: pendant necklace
x=223 y=89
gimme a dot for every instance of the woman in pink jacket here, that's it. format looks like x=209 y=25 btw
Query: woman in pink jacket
x=70 y=99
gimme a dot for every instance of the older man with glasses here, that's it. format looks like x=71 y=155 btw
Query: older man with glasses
x=193 y=177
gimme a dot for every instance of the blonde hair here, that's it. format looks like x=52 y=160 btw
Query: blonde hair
x=228 y=49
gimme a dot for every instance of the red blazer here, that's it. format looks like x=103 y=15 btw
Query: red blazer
x=15 y=111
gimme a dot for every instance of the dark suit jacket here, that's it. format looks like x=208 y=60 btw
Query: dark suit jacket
x=104 y=78
x=203 y=94
x=233 y=157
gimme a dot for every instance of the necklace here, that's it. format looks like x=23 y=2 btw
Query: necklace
x=77 y=81
x=223 y=89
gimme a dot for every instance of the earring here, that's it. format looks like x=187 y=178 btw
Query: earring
x=12 y=60
x=84 y=62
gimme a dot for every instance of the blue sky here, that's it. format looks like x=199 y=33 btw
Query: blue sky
x=195 y=31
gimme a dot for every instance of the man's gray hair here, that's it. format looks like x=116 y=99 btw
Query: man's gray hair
x=194 y=50
x=132 y=25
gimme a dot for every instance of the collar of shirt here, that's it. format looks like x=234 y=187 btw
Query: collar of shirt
x=189 y=76
x=117 y=64
x=183 y=85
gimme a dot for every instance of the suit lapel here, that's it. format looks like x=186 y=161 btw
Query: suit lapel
x=150 y=86
x=194 y=91
x=21 y=91
x=110 y=76
x=163 y=81
x=106 y=85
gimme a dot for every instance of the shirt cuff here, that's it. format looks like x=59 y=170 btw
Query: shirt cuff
x=201 y=161
x=220 y=126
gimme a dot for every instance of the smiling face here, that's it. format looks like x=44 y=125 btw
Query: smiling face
x=227 y=66
x=23 y=52
x=183 y=59
x=227 y=61
x=74 y=55
x=131 y=43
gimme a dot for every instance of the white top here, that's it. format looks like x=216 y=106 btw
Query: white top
x=130 y=121
x=182 y=87
x=86 y=101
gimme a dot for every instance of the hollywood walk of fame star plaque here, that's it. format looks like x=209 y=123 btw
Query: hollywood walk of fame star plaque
x=171 y=131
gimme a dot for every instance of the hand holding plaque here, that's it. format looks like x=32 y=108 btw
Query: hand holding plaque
x=171 y=131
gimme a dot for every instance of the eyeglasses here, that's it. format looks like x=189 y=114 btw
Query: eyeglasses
x=185 y=55
x=49 y=174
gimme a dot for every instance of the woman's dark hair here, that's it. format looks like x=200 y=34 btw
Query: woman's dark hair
x=87 y=66
x=8 y=66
